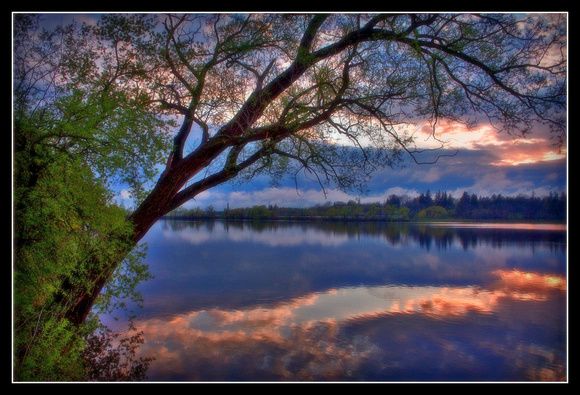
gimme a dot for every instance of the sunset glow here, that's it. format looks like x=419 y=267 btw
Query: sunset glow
x=506 y=150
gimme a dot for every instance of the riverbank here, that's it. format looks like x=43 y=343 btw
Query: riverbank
x=424 y=208
x=555 y=225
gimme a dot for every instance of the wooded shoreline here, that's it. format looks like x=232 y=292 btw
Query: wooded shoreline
x=423 y=208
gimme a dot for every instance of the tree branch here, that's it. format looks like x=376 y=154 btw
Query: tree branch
x=229 y=171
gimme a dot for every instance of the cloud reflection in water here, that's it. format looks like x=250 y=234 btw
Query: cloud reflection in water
x=510 y=326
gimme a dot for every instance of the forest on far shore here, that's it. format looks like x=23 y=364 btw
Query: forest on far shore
x=424 y=207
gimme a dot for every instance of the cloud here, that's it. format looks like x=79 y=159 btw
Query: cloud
x=303 y=331
x=507 y=149
x=483 y=162
x=427 y=175
x=474 y=171
x=497 y=182
x=287 y=196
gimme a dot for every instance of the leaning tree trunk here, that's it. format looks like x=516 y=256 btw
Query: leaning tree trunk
x=166 y=195
x=80 y=302
x=160 y=201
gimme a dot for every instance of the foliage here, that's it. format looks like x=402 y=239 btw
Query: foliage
x=51 y=352
x=67 y=230
x=109 y=363
x=64 y=232
x=433 y=212
x=65 y=102
x=122 y=286
x=195 y=213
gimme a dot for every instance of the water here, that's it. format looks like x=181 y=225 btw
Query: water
x=355 y=302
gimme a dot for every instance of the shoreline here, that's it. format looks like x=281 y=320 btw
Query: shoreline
x=560 y=225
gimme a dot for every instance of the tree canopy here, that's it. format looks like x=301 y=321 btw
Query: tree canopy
x=283 y=94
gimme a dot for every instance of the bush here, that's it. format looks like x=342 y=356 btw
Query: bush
x=433 y=212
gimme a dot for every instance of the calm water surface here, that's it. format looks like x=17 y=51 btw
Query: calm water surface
x=250 y=301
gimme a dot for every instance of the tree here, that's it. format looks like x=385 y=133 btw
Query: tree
x=393 y=200
x=67 y=229
x=443 y=200
x=433 y=212
x=328 y=96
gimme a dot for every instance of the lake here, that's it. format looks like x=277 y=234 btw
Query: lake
x=348 y=302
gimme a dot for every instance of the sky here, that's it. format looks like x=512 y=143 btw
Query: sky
x=486 y=163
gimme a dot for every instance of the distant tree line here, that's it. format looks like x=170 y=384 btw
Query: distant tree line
x=424 y=207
